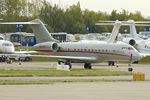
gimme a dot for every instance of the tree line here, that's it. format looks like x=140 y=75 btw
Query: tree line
x=71 y=20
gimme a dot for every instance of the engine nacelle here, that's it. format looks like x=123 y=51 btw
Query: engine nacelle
x=46 y=47
x=130 y=41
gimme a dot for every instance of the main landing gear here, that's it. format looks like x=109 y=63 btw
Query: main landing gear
x=87 y=66
x=111 y=63
x=65 y=63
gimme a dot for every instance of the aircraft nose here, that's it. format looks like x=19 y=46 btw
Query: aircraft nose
x=10 y=49
x=137 y=56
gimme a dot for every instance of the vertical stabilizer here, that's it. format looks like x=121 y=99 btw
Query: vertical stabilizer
x=133 y=31
x=41 y=33
x=115 y=32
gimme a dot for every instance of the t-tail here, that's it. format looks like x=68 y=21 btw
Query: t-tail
x=115 y=32
x=133 y=31
x=41 y=32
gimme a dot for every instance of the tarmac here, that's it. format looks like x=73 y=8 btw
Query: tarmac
x=116 y=90
x=78 y=91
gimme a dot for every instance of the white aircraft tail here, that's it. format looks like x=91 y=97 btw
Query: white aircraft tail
x=133 y=31
x=41 y=32
x=131 y=23
x=115 y=32
x=39 y=29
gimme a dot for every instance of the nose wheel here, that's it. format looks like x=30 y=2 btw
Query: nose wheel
x=130 y=69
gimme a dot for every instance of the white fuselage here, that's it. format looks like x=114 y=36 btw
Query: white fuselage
x=143 y=46
x=102 y=51
x=6 y=47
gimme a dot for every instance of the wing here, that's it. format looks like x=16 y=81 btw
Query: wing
x=93 y=59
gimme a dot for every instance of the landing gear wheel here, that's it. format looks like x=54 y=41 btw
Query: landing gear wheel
x=69 y=64
x=59 y=62
x=28 y=59
x=111 y=63
x=87 y=66
x=130 y=69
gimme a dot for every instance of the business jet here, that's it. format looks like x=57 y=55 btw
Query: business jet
x=85 y=51
x=142 y=45
x=7 y=50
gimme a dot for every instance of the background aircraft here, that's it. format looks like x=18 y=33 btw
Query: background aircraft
x=6 y=48
x=142 y=45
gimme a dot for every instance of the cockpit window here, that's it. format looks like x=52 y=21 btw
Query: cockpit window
x=7 y=44
x=127 y=48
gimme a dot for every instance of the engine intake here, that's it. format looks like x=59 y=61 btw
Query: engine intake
x=54 y=47
x=46 y=46
x=130 y=41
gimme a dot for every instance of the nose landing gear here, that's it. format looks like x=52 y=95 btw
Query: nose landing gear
x=130 y=69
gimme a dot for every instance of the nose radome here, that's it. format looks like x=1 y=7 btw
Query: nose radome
x=10 y=49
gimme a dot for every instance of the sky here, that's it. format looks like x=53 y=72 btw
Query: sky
x=108 y=5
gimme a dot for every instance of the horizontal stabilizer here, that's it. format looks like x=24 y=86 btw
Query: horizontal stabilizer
x=14 y=23
x=125 y=23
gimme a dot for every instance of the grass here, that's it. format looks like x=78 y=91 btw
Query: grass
x=23 y=82
x=53 y=73
x=31 y=73
x=145 y=60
